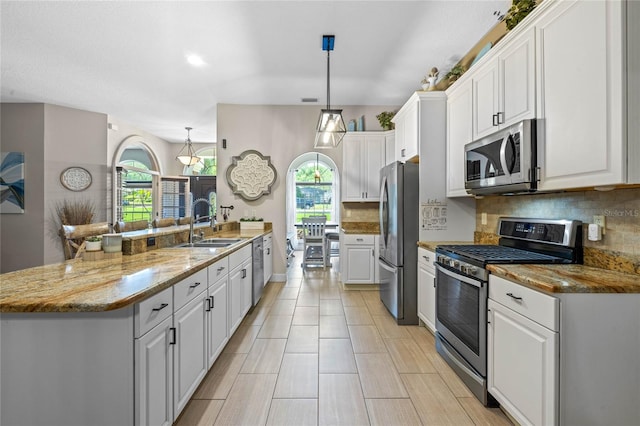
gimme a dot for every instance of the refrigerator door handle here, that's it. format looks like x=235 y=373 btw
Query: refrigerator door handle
x=383 y=265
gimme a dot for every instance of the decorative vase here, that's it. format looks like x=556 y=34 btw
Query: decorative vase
x=425 y=86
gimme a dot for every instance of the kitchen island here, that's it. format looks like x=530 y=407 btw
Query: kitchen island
x=93 y=342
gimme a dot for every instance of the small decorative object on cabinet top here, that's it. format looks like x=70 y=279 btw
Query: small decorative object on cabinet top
x=251 y=175
x=361 y=123
x=429 y=82
x=75 y=178
x=385 y=120
x=351 y=126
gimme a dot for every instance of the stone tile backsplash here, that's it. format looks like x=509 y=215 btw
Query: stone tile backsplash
x=621 y=208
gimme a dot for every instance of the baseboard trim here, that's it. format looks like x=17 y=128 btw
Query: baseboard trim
x=360 y=287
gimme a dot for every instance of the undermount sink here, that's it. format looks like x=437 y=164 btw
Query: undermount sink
x=212 y=242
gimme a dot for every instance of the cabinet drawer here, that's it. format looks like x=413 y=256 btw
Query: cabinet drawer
x=189 y=288
x=267 y=239
x=218 y=270
x=534 y=305
x=153 y=311
x=359 y=239
x=426 y=259
x=236 y=258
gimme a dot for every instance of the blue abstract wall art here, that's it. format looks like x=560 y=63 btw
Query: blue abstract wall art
x=12 y=182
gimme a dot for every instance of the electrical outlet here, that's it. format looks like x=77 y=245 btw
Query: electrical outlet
x=600 y=220
x=483 y=218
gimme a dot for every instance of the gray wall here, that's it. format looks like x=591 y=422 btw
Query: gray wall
x=52 y=139
x=22 y=130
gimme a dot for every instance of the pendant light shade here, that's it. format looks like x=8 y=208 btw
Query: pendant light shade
x=187 y=156
x=330 y=129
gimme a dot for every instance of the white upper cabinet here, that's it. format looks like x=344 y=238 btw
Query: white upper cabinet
x=363 y=157
x=407 y=130
x=459 y=133
x=582 y=91
x=504 y=87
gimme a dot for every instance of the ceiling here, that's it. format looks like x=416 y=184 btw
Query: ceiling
x=128 y=58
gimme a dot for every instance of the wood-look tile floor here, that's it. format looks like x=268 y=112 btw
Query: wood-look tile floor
x=311 y=353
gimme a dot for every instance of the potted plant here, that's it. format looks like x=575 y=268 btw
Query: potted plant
x=455 y=73
x=518 y=11
x=251 y=223
x=385 y=120
x=93 y=243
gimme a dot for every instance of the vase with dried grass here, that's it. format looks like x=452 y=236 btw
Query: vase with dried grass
x=75 y=212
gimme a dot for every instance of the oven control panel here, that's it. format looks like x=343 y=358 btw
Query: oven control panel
x=466 y=268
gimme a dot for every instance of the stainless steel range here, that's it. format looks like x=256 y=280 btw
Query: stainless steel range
x=462 y=287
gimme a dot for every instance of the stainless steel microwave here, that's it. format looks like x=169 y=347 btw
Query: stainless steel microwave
x=503 y=162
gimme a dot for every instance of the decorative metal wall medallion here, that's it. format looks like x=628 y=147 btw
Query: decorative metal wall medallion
x=75 y=178
x=251 y=175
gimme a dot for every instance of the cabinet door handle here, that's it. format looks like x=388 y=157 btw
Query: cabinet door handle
x=426 y=258
x=434 y=282
x=359 y=239
x=220 y=269
x=495 y=119
x=173 y=336
x=268 y=251
x=402 y=152
x=208 y=309
x=500 y=117
x=373 y=253
x=244 y=273
x=194 y=285
x=514 y=297
x=161 y=307
x=213 y=302
x=488 y=316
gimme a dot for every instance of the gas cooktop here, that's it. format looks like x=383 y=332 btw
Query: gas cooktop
x=499 y=254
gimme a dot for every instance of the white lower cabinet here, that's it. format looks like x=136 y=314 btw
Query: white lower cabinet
x=190 y=353
x=358 y=258
x=217 y=318
x=154 y=376
x=240 y=286
x=522 y=351
x=427 y=288
x=267 y=247
x=522 y=366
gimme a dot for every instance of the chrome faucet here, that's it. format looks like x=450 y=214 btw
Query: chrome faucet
x=211 y=217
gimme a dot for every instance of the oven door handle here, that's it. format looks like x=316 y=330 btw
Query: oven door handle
x=466 y=280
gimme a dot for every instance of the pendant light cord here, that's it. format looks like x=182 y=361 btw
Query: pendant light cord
x=328 y=80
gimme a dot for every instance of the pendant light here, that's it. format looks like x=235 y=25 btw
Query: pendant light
x=331 y=128
x=316 y=176
x=188 y=158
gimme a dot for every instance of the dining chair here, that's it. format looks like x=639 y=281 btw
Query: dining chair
x=315 y=241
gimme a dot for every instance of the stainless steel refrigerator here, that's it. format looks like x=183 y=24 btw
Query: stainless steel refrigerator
x=399 y=229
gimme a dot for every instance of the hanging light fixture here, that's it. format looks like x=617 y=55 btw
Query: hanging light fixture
x=331 y=128
x=316 y=175
x=188 y=158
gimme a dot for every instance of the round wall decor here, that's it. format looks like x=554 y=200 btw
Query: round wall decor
x=251 y=175
x=75 y=178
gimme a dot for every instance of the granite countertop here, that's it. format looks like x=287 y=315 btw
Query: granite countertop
x=569 y=278
x=103 y=285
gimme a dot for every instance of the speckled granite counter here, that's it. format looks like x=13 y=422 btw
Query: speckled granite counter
x=103 y=285
x=569 y=278
x=360 y=227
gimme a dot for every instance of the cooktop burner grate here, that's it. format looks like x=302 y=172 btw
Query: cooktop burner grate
x=499 y=254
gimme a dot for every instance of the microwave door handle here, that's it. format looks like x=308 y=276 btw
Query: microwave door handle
x=503 y=155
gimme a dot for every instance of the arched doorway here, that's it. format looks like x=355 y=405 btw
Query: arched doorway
x=313 y=189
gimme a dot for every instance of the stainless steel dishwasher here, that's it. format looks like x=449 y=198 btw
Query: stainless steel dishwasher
x=258 y=270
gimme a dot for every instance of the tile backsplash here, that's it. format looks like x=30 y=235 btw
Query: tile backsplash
x=621 y=208
x=359 y=212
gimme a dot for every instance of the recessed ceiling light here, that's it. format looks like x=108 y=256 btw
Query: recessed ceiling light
x=195 y=60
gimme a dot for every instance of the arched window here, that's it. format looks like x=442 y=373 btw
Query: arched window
x=313 y=189
x=136 y=189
